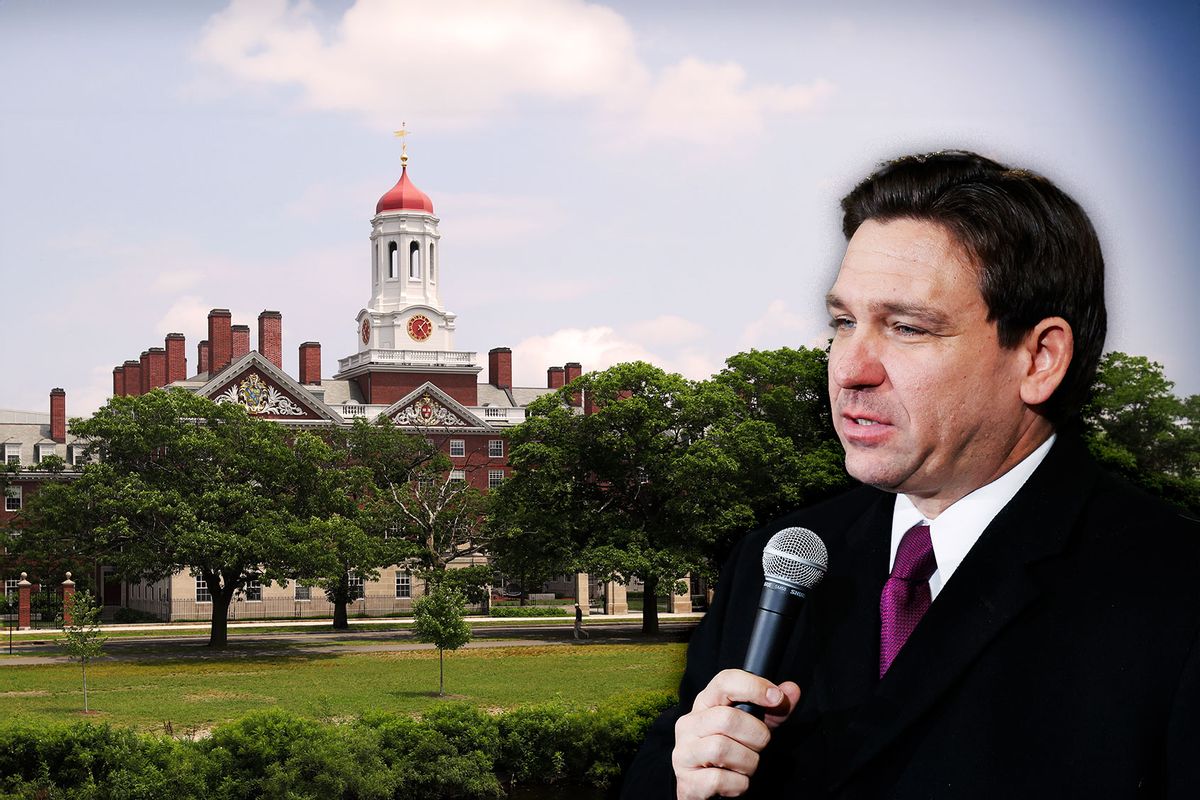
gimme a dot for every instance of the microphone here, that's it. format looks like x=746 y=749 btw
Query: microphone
x=794 y=561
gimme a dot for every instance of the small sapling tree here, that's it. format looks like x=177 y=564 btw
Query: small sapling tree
x=82 y=638
x=439 y=620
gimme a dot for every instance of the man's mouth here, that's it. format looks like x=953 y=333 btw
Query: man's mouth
x=862 y=421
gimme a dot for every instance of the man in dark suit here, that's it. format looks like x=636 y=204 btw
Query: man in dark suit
x=1000 y=618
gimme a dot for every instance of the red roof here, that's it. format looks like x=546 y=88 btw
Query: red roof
x=404 y=196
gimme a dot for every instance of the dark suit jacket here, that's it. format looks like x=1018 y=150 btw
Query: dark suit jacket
x=1062 y=659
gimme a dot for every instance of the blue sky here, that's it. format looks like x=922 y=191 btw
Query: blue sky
x=634 y=180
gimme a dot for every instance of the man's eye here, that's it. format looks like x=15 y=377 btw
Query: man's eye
x=907 y=330
x=841 y=323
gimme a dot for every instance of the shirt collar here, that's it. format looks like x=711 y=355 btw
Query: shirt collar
x=956 y=529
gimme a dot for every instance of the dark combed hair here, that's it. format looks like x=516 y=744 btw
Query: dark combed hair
x=1037 y=253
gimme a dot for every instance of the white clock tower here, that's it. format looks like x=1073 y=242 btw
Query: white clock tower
x=405 y=326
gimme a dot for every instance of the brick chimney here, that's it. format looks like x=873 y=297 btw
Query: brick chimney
x=241 y=341
x=202 y=353
x=133 y=378
x=573 y=370
x=144 y=361
x=118 y=381
x=58 y=415
x=310 y=363
x=220 y=338
x=156 y=368
x=555 y=378
x=500 y=367
x=176 y=357
x=270 y=337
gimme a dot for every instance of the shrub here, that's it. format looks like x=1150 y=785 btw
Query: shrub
x=125 y=616
x=530 y=611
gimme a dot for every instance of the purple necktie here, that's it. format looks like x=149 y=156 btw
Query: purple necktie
x=905 y=597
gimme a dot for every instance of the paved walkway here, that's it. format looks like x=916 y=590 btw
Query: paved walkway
x=190 y=644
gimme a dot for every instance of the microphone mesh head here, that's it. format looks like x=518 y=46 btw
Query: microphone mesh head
x=796 y=556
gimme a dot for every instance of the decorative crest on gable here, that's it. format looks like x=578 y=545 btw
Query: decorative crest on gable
x=259 y=397
x=427 y=411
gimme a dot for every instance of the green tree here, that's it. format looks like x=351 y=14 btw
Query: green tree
x=604 y=485
x=416 y=497
x=1137 y=427
x=82 y=639
x=182 y=483
x=439 y=620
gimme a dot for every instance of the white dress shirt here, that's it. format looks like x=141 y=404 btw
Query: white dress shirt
x=956 y=529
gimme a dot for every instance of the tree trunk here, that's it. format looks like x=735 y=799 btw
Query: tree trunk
x=650 y=605
x=83 y=662
x=339 y=596
x=441 y=672
x=218 y=638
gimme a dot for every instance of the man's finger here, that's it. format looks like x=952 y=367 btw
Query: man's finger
x=737 y=686
x=702 y=784
x=723 y=721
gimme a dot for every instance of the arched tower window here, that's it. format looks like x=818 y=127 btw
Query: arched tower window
x=393 y=260
x=432 y=265
x=414 y=261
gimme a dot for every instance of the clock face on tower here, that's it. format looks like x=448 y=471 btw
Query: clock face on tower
x=366 y=331
x=419 y=327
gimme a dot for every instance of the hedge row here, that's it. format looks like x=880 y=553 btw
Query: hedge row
x=452 y=751
x=530 y=611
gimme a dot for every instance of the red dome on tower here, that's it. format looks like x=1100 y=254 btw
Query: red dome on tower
x=404 y=196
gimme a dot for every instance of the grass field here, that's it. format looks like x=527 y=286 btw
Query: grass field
x=196 y=693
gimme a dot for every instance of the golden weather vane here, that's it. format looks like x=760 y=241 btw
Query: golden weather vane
x=402 y=135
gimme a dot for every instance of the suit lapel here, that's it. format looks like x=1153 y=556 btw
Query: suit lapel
x=991 y=587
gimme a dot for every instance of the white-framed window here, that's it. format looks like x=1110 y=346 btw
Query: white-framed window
x=12 y=586
x=458 y=475
x=393 y=260
x=254 y=591
x=356 y=586
x=12 y=452
x=458 y=448
x=303 y=593
x=75 y=455
x=12 y=498
x=202 y=595
x=404 y=584
x=393 y=531
x=43 y=450
x=495 y=478
x=495 y=448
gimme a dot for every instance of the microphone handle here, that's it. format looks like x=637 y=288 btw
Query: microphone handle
x=778 y=608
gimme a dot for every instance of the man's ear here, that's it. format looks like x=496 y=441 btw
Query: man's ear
x=1047 y=350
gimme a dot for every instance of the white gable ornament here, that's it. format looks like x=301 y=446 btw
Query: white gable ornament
x=257 y=397
x=426 y=412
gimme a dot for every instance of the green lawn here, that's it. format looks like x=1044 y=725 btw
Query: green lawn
x=198 y=692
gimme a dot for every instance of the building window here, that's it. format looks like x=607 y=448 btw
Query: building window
x=495 y=448
x=42 y=451
x=202 y=595
x=393 y=260
x=303 y=593
x=495 y=478
x=432 y=265
x=76 y=455
x=355 y=585
x=414 y=261
x=404 y=584
x=12 y=453
x=254 y=591
x=393 y=531
x=12 y=498
x=12 y=586
x=458 y=475
x=458 y=448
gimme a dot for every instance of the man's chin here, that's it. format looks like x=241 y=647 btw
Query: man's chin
x=885 y=477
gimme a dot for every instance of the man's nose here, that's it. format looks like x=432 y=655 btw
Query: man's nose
x=854 y=361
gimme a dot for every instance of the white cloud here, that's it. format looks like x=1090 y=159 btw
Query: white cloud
x=493 y=219
x=779 y=326
x=667 y=330
x=458 y=64
x=599 y=348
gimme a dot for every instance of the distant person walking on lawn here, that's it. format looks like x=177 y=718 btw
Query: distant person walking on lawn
x=580 y=633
